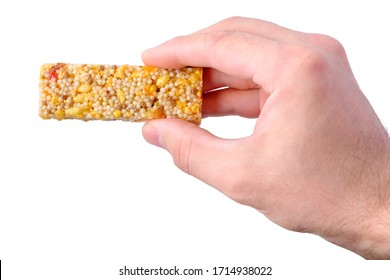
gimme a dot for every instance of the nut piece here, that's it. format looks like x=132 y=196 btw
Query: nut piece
x=162 y=81
x=121 y=95
x=84 y=88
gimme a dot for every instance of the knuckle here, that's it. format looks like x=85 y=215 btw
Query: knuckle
x=309 y=60
x=327 y=43
x=232 y=21
x=315 y=61
x=317 y=56
x=236 y=186
x=233 y=189
x=217 y=37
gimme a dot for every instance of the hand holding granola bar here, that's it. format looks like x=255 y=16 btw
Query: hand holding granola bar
x=318 y=160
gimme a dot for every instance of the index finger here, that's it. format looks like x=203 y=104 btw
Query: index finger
x=237 y=54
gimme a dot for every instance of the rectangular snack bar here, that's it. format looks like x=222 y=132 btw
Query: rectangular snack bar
x=125 y=92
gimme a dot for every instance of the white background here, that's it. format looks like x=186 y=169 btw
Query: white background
x=81 y=200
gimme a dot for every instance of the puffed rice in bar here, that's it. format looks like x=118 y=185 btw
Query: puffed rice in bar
x=125 y=92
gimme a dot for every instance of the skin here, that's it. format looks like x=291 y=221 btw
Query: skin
x=318 y=160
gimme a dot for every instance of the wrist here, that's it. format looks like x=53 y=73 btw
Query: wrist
x=368 y=233
x=375 y=242
x=370 y=239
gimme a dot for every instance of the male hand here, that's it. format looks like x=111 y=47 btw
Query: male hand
x=318 y=160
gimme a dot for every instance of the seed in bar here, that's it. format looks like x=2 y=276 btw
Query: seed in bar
x=125 y=92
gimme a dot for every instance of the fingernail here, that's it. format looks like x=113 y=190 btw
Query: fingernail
x=151 y=135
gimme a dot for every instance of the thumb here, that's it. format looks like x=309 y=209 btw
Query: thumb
x=195 y=151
